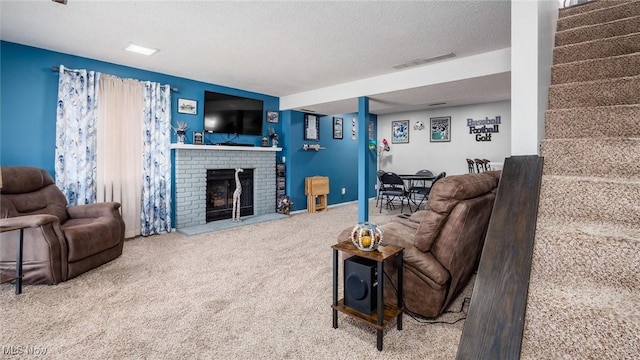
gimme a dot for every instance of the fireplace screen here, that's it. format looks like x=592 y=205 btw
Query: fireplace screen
x=220 y=187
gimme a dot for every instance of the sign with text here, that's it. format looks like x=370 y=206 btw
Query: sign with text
x=484 y=128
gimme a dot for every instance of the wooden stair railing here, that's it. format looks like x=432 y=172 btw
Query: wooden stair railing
x=495 y=321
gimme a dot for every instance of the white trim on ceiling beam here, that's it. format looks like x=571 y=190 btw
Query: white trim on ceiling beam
x=494 y=62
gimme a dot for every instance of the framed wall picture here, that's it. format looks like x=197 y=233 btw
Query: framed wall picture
x=272 y=116
x=186 y=106
x=338 y=127
x=198 y=138
x=440 y=129
x=400 y=132
x=311 y=127
x=353 y=129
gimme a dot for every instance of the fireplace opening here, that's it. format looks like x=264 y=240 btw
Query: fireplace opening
x=221 y=184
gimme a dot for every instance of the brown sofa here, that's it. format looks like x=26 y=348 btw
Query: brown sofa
x=60 y=242
x=442 y=243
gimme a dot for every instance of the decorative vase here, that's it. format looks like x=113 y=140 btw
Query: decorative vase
x=366 y=236
x=180 y=137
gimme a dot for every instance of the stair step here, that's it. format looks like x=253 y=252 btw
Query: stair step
x=598 y=16
x=567 y=254
x=598 y=31
x=607 y=92
x=600 y=157
x=590 y=6
x=600 y=48
x=596 y=69
x=580 y=322
x=602 y=200
x=593 y=122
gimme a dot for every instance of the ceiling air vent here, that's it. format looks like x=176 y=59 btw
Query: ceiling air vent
x=423 y=61
x=63 y=2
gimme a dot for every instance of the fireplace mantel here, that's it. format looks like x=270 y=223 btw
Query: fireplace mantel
x=224 y=147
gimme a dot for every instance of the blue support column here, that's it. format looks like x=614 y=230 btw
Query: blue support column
x=363 y=164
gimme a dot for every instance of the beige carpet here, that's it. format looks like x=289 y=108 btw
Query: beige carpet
x=259 y=291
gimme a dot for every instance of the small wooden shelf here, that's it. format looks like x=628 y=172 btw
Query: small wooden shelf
x=390 y=312
x=386 y=311
x=8 y=278
x=381 y=254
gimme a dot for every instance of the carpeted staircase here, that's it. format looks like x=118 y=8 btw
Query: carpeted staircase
x=584 y=293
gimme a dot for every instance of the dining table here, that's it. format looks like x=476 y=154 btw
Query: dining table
x=411 y=179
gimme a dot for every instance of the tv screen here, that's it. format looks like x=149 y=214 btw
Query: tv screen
x=232 y=114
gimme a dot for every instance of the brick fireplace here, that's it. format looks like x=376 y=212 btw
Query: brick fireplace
x=192 y=163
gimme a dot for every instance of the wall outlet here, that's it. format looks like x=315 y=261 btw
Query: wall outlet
x=344 y=191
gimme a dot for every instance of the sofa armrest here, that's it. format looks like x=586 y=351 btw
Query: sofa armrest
x=427 y=265
x=28 y=221
x=95 y=210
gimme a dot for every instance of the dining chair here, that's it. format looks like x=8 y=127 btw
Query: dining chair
x=413 y=189
x=394 y=187
x=427 y=190
x=380 y=186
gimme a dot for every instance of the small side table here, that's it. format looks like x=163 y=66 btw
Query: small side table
x=18 y=276
x=385 y=311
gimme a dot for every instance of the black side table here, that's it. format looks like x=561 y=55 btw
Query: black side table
x=18 y=276
x=385 y=311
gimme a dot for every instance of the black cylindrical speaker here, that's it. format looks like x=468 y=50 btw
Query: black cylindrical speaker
x=360 y=284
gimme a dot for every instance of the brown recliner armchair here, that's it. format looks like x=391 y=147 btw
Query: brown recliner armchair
x=60 y=242
x=442 y=243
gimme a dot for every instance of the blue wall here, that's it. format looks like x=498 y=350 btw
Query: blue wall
x=339 y=161
x=28 y=115
x=29 y=91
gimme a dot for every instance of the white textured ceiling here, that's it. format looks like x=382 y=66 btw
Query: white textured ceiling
x=279 y=48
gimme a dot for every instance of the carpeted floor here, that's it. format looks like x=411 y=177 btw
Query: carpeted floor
x=257 y=291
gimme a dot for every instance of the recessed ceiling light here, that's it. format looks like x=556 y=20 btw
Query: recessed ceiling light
x=141 y=49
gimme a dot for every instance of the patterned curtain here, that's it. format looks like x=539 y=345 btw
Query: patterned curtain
x=156 y=165
x=75 y=163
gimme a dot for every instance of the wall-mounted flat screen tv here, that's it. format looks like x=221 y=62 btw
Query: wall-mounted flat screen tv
x=231 y=114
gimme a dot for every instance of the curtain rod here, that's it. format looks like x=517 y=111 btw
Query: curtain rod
x=57 y=69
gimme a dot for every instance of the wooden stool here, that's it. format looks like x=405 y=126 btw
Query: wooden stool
x=470 y=164
x=316 y=188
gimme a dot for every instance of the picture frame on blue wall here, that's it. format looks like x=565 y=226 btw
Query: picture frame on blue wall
x=186 y=106
x=371 y=126
x=272 y=117
x=338 y=127
x=311 y=127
